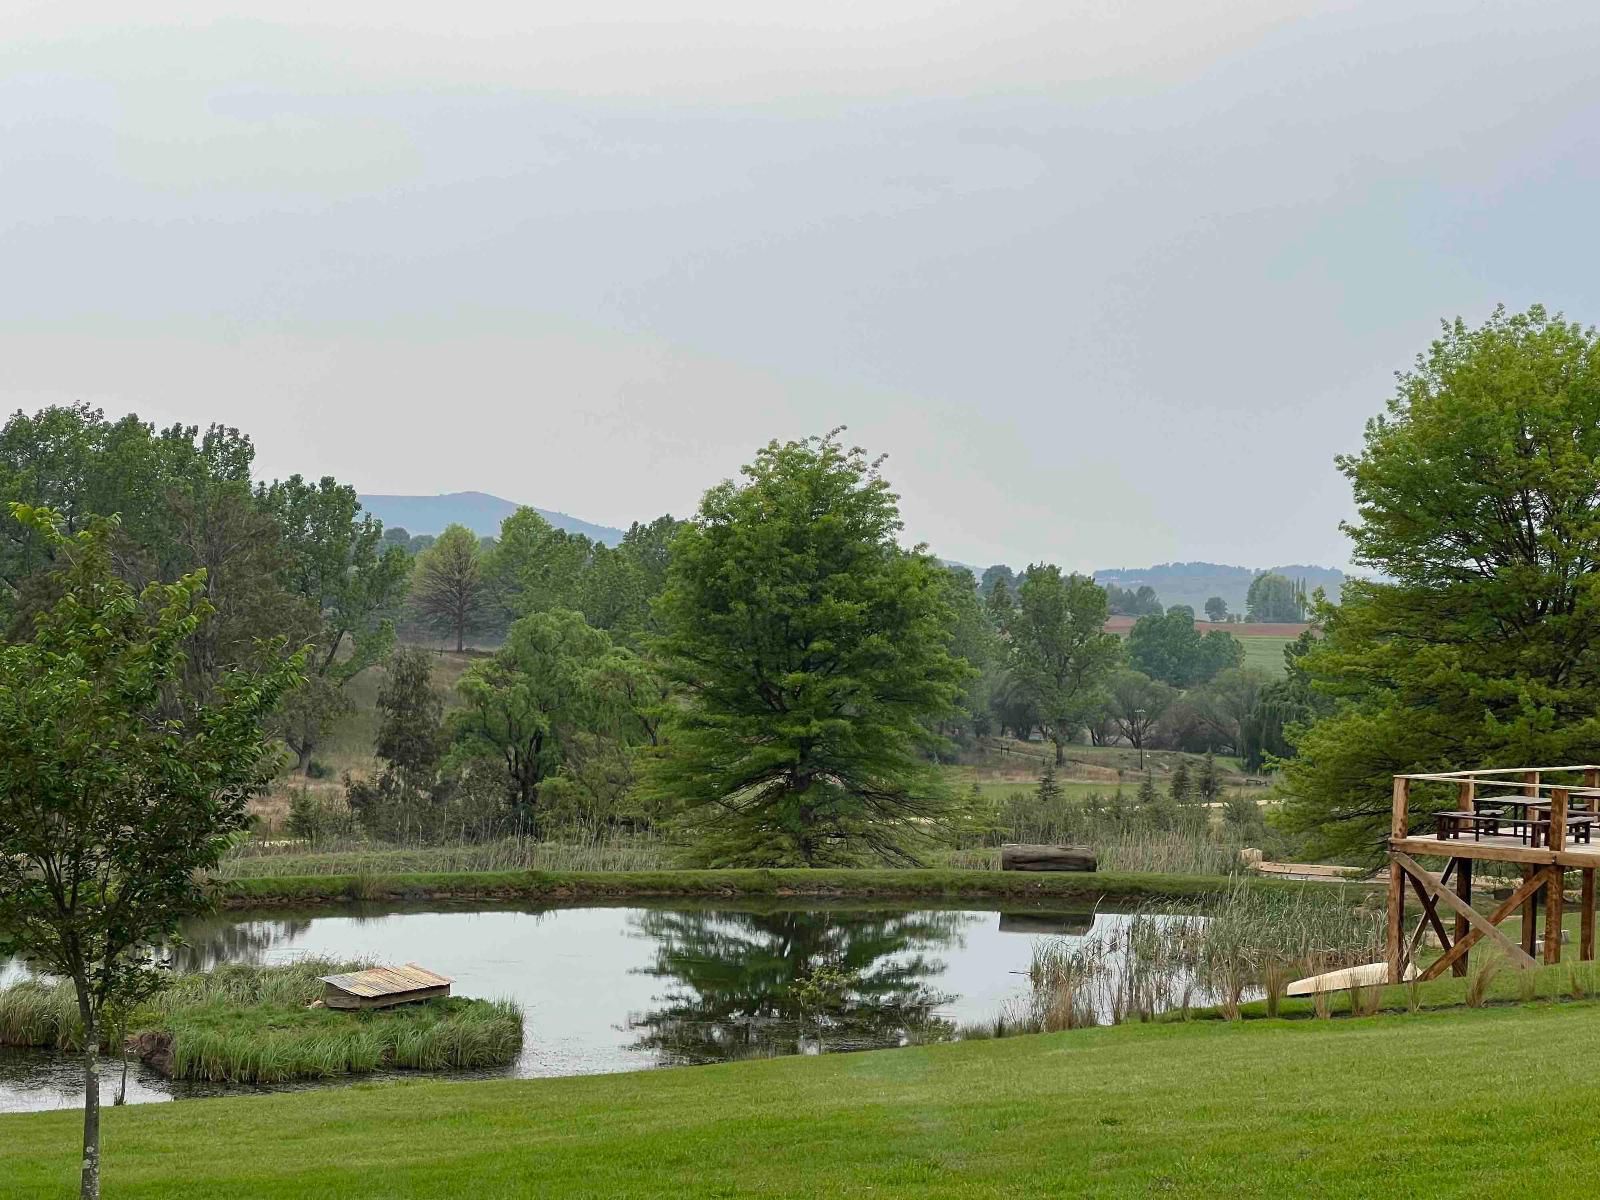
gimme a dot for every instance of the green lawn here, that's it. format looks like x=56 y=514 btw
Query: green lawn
x=1265 y=654
x=1459 y=1103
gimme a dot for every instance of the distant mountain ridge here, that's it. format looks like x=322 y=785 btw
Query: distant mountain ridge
x=1193 y=583
x=478 y=511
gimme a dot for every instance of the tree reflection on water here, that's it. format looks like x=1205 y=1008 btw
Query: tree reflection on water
x=756 y=984
x=211 y=941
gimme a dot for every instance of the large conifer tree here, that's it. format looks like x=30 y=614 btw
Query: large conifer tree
x=813 y=651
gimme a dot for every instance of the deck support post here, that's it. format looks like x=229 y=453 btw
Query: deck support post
x=1586 y=915
x=1464 y=890
x=1398 y=828
x=1530 y=918
x=1552 y=918
x=1397 y=920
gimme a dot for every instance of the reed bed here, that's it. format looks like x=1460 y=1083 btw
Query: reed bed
x=251 y=1024
x=1163 y=959
x=255 y=860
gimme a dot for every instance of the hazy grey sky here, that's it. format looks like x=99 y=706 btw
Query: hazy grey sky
x=1110 y=282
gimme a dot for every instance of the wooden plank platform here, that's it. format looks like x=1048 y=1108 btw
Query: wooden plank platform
x=381 y=987
x=1501 y=849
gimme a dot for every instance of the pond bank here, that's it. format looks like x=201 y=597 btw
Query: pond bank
x=1087 y=888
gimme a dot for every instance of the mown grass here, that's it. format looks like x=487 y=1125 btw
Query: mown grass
x=1271 y=1108
x=898 y=884
x=250 y=1024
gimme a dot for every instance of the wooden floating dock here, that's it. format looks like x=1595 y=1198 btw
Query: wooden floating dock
x=383 y=987
x=1541 y=819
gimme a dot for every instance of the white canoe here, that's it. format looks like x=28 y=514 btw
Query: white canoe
x=1338 y=981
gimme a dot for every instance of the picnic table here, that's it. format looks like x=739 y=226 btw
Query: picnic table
x=1528 y=817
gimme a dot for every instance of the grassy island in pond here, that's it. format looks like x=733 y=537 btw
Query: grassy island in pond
x=249 y=1024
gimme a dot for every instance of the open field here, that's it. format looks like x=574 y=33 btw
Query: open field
x=1265 y=654
x=1342 y=1108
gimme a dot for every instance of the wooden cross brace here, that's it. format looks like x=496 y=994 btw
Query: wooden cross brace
x=1433 y=893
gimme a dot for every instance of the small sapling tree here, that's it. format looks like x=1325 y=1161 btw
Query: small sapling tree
x=116 y=786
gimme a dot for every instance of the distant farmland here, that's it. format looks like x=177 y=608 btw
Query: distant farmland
x=1263 y=640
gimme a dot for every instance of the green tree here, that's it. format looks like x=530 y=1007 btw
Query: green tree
x=1136 y=702
x=116 y=789
x=1274 y=597
x=1171 y=649
x=1207 y=782
x=1060 y=650
x=1048 y=792
x=339 y=561
x=522 y=707
x=405 y=801
x=1226 y=704
x=999 y=604
x=814 y=656
x=973 y=640
x=536 y=567
x=450 y=589
x=1179 y=787
x=1478 y=506
x=1216 y=609
x=995 y=576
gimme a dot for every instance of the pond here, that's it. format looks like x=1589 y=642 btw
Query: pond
x=623 y=988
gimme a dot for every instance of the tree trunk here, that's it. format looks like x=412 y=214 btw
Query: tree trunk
x=1061 y=752
x=1047 y=858
x=90 y=1186
x=303 y=761
x=461 y=638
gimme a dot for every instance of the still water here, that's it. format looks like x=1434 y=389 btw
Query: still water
x=626 y=988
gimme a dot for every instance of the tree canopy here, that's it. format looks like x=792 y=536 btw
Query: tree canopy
x=1171 y=649
x=1275 y=598
x=117 y=786
x=814 y=656
x=1478 y=502
x=1060 y=651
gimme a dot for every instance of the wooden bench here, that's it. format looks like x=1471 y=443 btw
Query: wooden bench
x=1578 y=830
x=1450 y=824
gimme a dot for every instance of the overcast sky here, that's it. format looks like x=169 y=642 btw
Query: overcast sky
x=1111 y=282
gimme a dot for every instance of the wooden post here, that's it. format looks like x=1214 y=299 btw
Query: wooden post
x=1397 y=920
x=1530 y=782
x=1397 y=884
x=1553 y=898
x=1591 y=777
x=1552 y=918
x=1464 y=890
x=1530 y=917
x=1586 y=936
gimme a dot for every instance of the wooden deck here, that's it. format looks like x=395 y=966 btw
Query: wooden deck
x=1545 y=811
x=1501 y=849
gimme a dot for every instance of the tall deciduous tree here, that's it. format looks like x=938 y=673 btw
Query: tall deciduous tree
x=449 y=589
x=550 y=681
x=1171 y=649
x=1060 y=650
x=1136 y=702
x=114 y=794
x=813 y=651
x=1216 y=609
x=1274 y=597
x=1478 y=645
x=336 y=563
